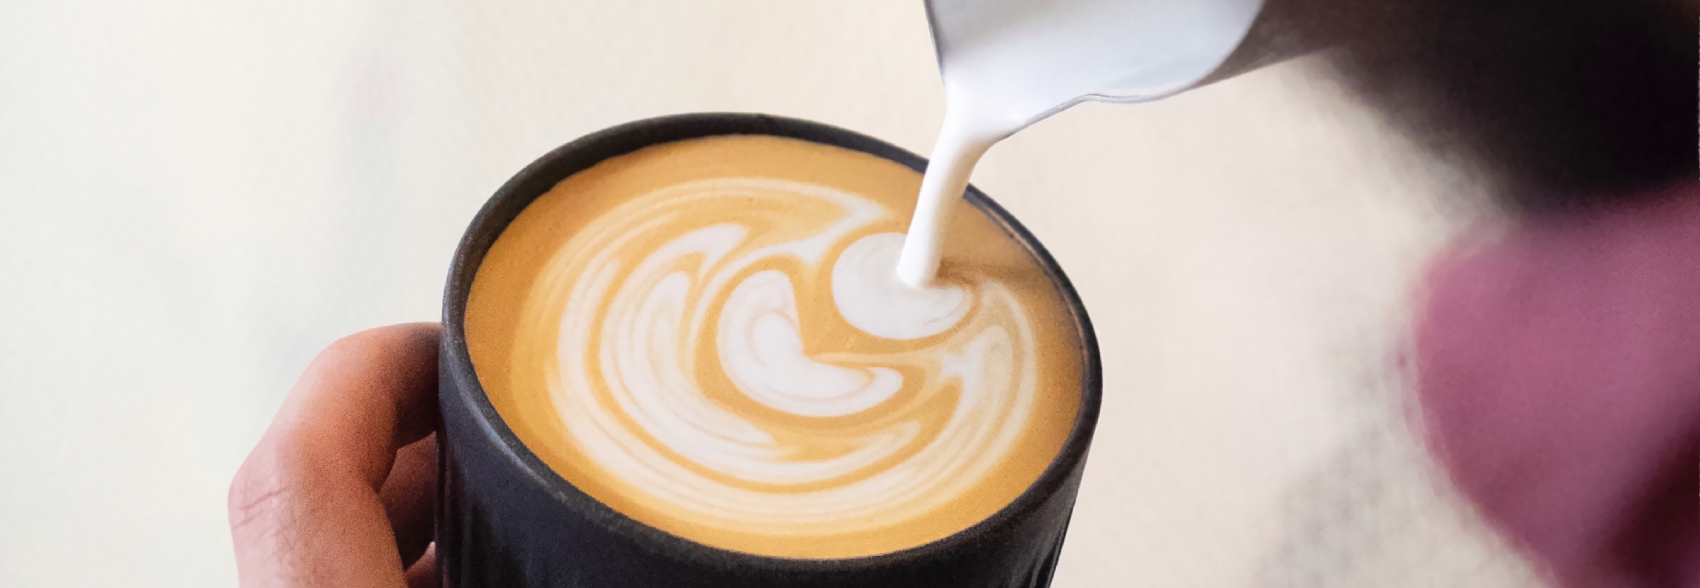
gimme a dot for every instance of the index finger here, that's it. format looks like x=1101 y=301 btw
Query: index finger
x=305 y=508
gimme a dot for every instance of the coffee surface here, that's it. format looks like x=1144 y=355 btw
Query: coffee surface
x=709 y=337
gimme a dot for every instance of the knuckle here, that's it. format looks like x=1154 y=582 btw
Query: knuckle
x=370 y=341
x=263 y=487
x=255 y=494
x=355 y=345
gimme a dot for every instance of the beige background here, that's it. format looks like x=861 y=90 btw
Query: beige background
x=197 y=195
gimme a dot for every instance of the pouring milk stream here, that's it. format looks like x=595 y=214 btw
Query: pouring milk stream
x=1007 y=64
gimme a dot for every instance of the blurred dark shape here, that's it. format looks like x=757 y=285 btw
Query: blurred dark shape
x=1570 y=103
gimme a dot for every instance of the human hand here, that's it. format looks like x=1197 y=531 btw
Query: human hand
x=340 y=491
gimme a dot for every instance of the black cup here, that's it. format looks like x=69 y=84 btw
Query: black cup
x=505 y=519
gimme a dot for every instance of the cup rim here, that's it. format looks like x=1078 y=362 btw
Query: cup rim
x=541 y=175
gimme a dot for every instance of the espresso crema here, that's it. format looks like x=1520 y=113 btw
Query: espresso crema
x=709 y=337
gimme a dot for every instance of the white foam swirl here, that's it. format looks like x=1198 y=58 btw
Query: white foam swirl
x=761 y=349
x=870 y=295
x=787 y=431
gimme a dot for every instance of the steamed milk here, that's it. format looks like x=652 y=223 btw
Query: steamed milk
x=709 y=337
x=1009 y=63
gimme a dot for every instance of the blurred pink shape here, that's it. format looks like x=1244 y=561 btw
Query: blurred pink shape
x=1559 y=367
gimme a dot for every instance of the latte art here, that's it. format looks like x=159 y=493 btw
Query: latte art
x=839 y=438
x=729 y=356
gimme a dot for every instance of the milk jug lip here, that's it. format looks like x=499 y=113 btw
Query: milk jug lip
x=1218 y=63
